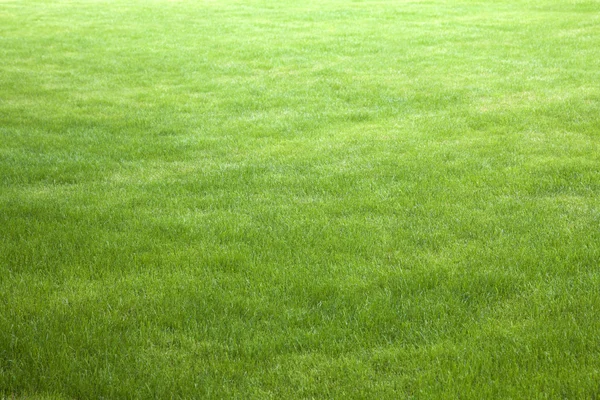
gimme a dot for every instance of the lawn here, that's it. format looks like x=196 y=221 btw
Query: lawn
x=291 y=199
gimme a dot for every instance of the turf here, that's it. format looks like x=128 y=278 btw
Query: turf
x=299 y=199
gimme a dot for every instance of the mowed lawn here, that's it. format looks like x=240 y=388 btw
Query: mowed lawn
x=299 y=199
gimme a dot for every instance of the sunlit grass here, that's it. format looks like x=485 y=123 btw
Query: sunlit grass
x=322 y=199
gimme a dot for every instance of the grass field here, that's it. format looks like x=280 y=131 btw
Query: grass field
x=300 y=199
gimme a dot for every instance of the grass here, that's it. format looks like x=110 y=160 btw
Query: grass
x=317 y=199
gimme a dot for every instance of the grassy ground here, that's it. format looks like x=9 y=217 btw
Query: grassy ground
x=300 y=199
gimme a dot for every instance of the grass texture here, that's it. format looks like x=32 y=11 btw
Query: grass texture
x=299 y=199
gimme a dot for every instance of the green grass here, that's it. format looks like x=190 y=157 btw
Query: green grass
x=300 y=199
